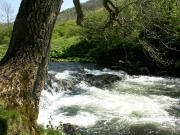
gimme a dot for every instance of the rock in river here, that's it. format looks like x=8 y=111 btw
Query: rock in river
x=98 y=80
x=62 y=84
x=65 y=85
x=102 y=80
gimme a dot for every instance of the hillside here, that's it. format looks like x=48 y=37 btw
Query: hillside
x=70 y=14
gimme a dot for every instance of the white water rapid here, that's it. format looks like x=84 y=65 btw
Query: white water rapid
x=135 y=105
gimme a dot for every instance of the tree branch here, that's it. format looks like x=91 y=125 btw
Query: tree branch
x=79 y=12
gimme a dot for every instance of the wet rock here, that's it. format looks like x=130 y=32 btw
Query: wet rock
x=78 y=77
x=50 y=79
x=62 y=84
x=65 y=85
x=102 y=80
x=97 y=80
x=70 y=129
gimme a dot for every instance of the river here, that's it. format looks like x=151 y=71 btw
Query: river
x=135 y=105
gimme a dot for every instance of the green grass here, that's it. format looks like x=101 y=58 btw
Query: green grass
x=65 y=45
x=3 y=49
x=6 y=116
x=71 y=49
x=72 y=59
x=58 y=48
x=51 y=131
x=61 y=44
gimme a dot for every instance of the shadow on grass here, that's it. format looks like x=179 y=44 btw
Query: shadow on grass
x=3 y=127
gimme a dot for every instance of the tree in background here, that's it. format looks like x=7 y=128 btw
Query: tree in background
x=6 y=12
x=160 y=29
x=153 y=24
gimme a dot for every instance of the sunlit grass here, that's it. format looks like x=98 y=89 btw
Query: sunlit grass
x=3 y=49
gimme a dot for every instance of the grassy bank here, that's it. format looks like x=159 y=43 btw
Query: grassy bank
x=60 y=50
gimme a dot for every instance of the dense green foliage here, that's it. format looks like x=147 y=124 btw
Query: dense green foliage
x=161 y=30
x=146 y=31
x=110 y=44
x=65 y=37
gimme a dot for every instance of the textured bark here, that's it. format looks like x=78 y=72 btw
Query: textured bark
x=79 y=12
x=23 y=70
x=113 y=12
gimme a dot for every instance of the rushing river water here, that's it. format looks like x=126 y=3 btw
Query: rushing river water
x=136 y=105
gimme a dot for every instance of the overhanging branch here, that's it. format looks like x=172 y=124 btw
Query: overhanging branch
x=79 y=12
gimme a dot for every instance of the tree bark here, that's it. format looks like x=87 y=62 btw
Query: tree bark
x=79 y=12
x=23 y=70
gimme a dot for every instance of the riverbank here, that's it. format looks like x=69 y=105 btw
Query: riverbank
x=151 y=70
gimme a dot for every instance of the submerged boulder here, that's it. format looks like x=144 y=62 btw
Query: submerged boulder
x=62 y=84
x=97 y=80
x=78 y=77
x=94 y=80
x=50 y=79
x=65 y=85
x=102 y=80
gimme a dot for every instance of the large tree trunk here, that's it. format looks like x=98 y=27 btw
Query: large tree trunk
x=23 y=70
